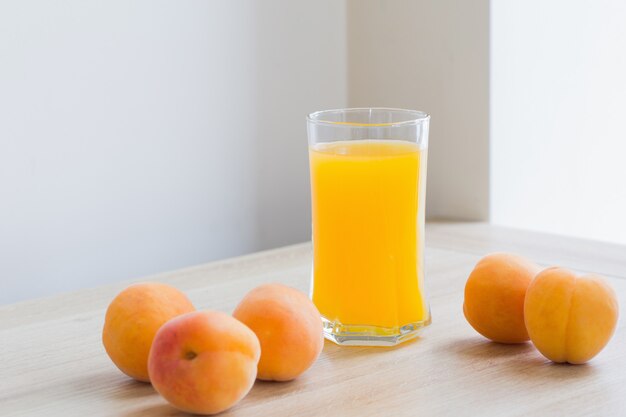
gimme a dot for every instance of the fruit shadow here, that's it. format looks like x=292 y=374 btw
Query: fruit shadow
x=116 y=385
x=481 y=349
x=129 y=388
x=166 y=410
x=520 y=359
x=262 y=390
x=156 y=410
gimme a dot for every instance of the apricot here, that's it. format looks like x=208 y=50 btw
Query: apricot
x=288 y=326
x=570 y=318
x=132 y=320
x=204 y=362
x=494 y=297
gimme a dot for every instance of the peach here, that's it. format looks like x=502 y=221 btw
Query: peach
x=204 y=362
x=570 y=318
x=288 y=326
x=494 y=297
x=132 y=320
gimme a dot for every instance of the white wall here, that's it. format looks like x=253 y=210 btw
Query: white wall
x=558 y=137
x=151 y=135
x=302 y=67
x=137 y=137
x=431 y=56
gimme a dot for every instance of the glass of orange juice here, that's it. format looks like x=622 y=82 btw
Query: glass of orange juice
x=368 y=183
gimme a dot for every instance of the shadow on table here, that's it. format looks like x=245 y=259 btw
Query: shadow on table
x=117 y=386
x=479 y=349
x=127 y=388
x=155 y=410
x=263 y=390
x=519 y=359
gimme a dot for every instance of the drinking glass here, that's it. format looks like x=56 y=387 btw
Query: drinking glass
x=368 y=183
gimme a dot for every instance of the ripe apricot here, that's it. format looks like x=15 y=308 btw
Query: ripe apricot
x=494 y=297
x=132 y=320
x=288 y=326
x=204 y=362
x=570 y=318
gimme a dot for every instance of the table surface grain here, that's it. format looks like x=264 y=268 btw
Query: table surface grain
x=52 y=362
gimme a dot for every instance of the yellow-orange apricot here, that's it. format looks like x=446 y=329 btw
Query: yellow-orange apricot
x=494 y=297
x=132 y=320
x=288 y=326
x=204 y=362
x=570 y=318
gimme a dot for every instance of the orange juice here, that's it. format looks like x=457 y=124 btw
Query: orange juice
x=367 y=243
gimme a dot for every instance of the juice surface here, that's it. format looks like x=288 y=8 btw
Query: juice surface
x=367 y=243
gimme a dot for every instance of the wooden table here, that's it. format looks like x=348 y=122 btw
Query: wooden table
x=52 y=362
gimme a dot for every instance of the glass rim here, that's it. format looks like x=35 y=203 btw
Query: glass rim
x=418 y=117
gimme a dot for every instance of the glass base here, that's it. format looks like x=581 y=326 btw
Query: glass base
x=362 y=335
